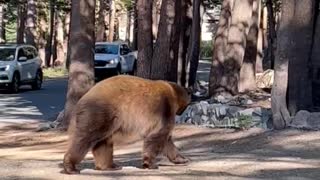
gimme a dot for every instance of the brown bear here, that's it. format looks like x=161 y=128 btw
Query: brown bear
x=125 y=105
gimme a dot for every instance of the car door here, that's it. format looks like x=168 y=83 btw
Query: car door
x=22 y=64
x=30 y=63
x=124 y=59
x=129 y=57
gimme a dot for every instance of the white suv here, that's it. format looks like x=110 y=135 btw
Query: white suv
x=20 y=65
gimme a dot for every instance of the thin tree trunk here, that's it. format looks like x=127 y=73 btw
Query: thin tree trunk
x=112 y=20
x=128 y=26
x=145 y=45
x=2 y=24
x=280 y=111
x=101 y=29
x=185 y=29
x=272 y=33
x=315 y=60
x=50 y=36
x=194 y=43
x=217 y=82
x=30 y=30
x=259 y=58
x=134 y=45
x=59 y=40
x=161 y=66
x=300 y=84
x=155 y=18
x=21 y=22
x=239 y=27
x=248 y=68
x=82 y=41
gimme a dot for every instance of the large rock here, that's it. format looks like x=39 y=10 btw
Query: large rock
x=208 y=114
x=306 y=120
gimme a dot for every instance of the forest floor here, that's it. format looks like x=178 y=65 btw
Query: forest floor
x=214 y=153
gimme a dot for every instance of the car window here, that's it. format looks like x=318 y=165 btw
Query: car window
x=7 y=54
x=106 y=49
x=124 y=49
x=29 y=52
x=21 y=53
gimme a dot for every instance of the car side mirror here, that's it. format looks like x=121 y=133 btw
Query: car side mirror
x=22 y=58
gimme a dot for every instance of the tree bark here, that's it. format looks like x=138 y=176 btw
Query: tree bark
x=112 y=20
x=272 y=33
x=161 y=65
x=194 y=43
x=239 y=27
x=145 y=44
x=248 y=68
x=134 y=44
x=30 y=30
x=260 y=41
x=59 y=40
x=82 y=41
x=185 y=31
x=21 y=22
x=101 y=28
x=280 y=112
x=217 y=82
x=2 y=24
x=155 y=18
x=300 y=84
x=315 y=60
x=50 y=36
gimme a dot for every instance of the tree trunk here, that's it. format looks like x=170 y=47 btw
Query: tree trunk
x=101 y=29
x=300 y=84
x=248 y=68
x=43 y=28
x=2 y=27
x=128 y=26
x=280 y=112
x=145 y=44
x=260 y=41
x=185 y=31
x=134 y=44
x=67 y=26
x=217 y=82
x=175 y=41
x=271 y=34
x=239 y=27
x=194 y=43
x=155 y=17
x=82 y=41
x=59 y=40
x=30 y=30
x=50 y=36
x=112 y=20
x=161 y=65
x=21 y=22
x=315 y=59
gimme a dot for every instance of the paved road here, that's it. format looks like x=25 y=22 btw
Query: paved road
x=33 y=105
x=45 y=103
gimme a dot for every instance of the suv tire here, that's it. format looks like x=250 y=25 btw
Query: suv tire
x=15 y=84
x=37 y=83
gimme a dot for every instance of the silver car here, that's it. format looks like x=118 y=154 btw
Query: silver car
x=114 y=58
x=20 y=64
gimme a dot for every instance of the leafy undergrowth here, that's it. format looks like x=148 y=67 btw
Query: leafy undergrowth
x=57 y=72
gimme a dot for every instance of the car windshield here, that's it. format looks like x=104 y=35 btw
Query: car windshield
x=7 y=54
x=106 y=49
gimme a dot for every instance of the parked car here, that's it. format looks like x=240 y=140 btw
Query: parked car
x=20 y=64
x=114 y=58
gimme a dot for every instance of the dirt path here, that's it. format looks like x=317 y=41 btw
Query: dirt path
x=215 y=154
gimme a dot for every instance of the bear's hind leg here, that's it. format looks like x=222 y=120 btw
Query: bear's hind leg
x=172 y=152
x=74 y=155
x=103 y=155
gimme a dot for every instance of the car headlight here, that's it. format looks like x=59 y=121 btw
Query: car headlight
x=114 y=61
x=5 y=68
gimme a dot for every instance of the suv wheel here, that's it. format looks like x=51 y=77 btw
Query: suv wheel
x=134 y=69
x=36 y=85
x=15 y=84
x=118 y=71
